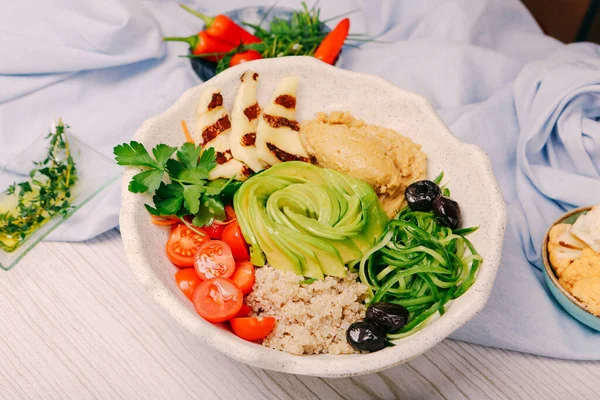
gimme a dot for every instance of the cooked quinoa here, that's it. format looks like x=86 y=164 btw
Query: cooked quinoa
x=311 y=318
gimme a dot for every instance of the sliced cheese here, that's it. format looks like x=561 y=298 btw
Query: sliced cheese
x=277 y=136
x=213 y=130
x=244 y=120
x=587 y=228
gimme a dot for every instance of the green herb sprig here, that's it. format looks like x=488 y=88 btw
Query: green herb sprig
x=299 y=36
x=45 y=195
x=188 y=192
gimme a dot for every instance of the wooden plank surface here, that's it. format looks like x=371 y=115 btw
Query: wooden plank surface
x=76 y=325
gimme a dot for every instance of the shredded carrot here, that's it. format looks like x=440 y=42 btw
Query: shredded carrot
x=230 y=212
x=164 y=221
x=186 y=132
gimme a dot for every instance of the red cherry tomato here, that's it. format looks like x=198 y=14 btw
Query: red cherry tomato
x=187 y=280
x=252 y=328
x=214 y=230
x=244 y=311
x=214 y=259
x=217 y=299
x=245 y=56
x=183 y=244
x=232 y=235
x=243 y=276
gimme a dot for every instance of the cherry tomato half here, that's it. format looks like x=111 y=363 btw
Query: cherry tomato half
x=243 y=276
x=217 y=299
x=244 y=311
x=214 y=230
x=183 y=244
x=187 y=281
x=252 y=328
x=214 y=259
x=232 y=235
x=245 y=56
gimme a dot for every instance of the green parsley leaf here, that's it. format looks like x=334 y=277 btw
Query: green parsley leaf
x=229 y=190
x=189 y=155
x=203 y=217
x=175 y=168
x=215 y=187
x=195 y=176
x=212 y=191
x=191 y=197
x=208 y=159
x=168 y=198
x=134 y=154
x=187 y=192
x=152 y=210
x=225 y=187
x=162 y=152
x=146 y=181
x=215 y=206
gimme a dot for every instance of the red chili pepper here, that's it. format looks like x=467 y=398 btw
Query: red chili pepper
x=245 y=56
x=203 y=43
x=331 y=46
x=224 y=29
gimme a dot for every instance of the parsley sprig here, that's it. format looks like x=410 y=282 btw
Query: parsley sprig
x=188 y=192
x=45 y=195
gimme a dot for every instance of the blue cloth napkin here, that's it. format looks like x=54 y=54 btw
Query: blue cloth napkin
x=530 y=102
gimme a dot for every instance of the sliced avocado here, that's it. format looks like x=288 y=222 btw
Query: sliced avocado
x=278 y=252
x=328 y=258
x=299 y=171
x=307 y=219
x=310 y=266
x=348 y=250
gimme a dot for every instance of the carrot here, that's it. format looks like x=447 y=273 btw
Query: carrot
x=331 y=46
x=230 y=213
x=164 y=221
x=186 y=132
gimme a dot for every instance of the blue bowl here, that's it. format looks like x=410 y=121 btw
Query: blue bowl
x=252 y=15
x=564 y=298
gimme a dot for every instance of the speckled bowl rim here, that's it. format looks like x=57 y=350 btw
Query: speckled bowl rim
x=548 y=268
x=472 y=302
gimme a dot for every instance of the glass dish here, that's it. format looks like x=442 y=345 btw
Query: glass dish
x=95 y=173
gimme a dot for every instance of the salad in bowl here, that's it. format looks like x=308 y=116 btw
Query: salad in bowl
x=295 y=215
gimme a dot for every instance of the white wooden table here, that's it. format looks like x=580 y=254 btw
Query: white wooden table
x=74 y=324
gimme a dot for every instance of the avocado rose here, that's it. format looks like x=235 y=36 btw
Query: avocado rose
x=309 y=220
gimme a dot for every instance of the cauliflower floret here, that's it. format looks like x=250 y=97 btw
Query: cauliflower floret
x=563 y=247
x=588 y=266
x=588 y=292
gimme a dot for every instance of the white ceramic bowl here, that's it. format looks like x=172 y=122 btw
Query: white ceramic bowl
x=322 y=87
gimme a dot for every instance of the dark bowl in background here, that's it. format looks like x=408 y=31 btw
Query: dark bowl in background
x=252 y=15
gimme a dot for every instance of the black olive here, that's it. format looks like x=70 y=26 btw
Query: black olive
x=421 y=194
x=365 y=336
x=448 y=212
x=389 y=317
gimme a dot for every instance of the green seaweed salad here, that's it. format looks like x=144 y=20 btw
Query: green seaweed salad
x=420 y=264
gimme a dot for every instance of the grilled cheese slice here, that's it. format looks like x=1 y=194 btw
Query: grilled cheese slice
x=213 y=130
x=244 y=120
x=277 y=138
